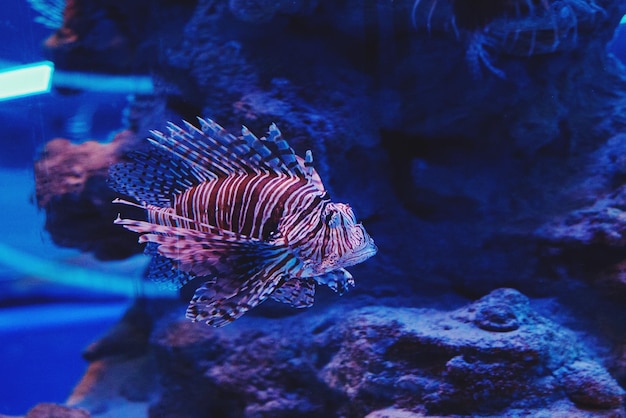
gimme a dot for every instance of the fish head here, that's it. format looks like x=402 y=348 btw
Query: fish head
x=347 y=242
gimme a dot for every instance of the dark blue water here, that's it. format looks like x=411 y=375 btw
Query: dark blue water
x=44 y=327
x=41 y=350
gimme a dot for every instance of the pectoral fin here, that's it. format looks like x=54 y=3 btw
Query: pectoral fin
x=220 y=301
x=339 y=280
x=211 y=254
x=243 y=271
x=298 y=293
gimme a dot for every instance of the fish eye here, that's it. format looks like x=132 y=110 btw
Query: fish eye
x=331 y=217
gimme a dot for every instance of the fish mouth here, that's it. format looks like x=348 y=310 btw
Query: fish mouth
x=360 y=255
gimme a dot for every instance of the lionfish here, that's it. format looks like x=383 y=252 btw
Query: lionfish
x=244 y=216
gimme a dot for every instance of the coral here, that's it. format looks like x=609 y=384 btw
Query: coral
x=65 y=167
x=478 y=56
x=521 y=28
x=71 y=187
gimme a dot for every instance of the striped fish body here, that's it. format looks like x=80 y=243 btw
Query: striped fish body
x=245 y=215
x=249 y=205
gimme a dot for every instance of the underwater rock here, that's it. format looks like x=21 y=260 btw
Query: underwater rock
x=589 y=385
x=122 y=377
x=71 y=187
x=100 y=36
x=601 y=198
x=445 y=363
x=128 y=337
x=351 y=361
x=119 y=385
x=500 y=311
x=393 y=413
x=603 y=224
x=594 y=232
x=50 y=410
x=500 y=318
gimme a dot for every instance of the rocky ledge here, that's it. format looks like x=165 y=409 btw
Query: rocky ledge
x=496 y=356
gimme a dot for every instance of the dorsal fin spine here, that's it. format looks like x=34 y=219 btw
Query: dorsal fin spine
x=257 y=147
x=308 y=163
x=285 y=152
x=221 y=150
x=171 y=145
x=184 y=157
x=233 y=149
x=207 y=155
